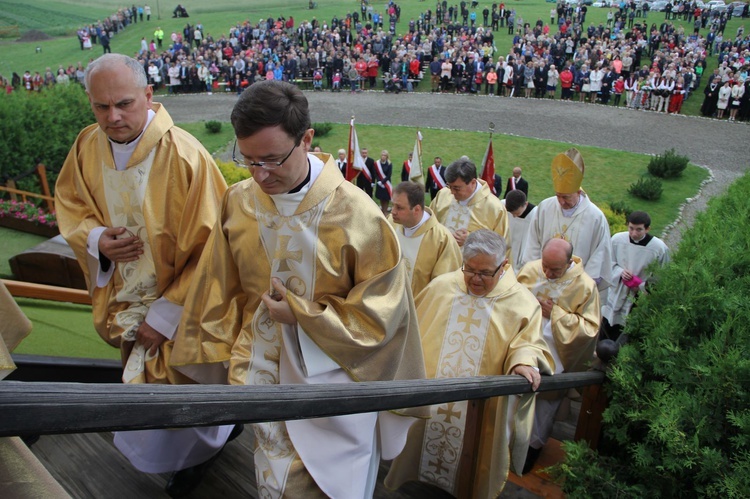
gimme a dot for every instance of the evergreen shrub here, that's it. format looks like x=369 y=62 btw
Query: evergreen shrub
x=322 y=129
x=678 y=422
x=40 y=127
x=622 y=208
x=668 y=165
x=647 y=188
x=213 y=126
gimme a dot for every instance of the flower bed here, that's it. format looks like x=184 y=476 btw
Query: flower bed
x=27 y=217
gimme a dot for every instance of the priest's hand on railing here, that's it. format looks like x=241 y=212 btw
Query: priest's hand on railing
x=120 y=249
x=528 y=372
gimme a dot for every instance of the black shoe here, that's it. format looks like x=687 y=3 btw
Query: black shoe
x=531 y=458
x=182 y=482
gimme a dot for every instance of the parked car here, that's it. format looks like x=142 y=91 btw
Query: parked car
x=602 y=3
x=716 y=6
x=657 y=5
x=737 y=8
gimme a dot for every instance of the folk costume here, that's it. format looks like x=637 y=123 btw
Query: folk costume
x=465 y=335
x=481 y=211
x=584 y=226
x=570 y=332
x=429 y=250
x=348 y=291
x=165 y=188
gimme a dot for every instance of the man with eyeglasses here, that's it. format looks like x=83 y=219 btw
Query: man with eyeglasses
x=467 y=203
x=303 y=283
x=476 y=321
x=570 y=325
x=136 y=200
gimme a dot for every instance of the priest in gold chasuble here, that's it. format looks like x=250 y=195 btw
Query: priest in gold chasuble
x=570 y=320
x=467 y=204
x=476 y=321
x=302 y=283
x=427 y=247
x=136 y=200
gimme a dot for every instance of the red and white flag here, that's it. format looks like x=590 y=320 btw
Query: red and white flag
x=355 y=163
x=488 y=168
x=415 y=173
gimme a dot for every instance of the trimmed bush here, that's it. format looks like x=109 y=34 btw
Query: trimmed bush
x=646 y=188
x=322 y=129
x=622 y=208
x=213 y=126
x=678 y=422
x=669 y=165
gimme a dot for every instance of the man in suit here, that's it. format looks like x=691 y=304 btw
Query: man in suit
x=365 y=179
x=516 y=182
x=435 y=177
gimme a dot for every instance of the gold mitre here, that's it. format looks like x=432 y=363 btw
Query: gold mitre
x=567 y=171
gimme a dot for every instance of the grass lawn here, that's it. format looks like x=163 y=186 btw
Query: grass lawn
x=63 y=18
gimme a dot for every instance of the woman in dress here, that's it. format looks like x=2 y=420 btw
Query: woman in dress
x=735 y=99
x=725 y=92
x=711 y=92
x=678 y=96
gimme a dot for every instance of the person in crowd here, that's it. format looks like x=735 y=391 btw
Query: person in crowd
x=503 y=336
x=139 y=252
x=517 y=182
x=293 y=290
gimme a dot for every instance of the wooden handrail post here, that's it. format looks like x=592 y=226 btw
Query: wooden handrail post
x=467 y=470
x=41 y=170
x=12 y=184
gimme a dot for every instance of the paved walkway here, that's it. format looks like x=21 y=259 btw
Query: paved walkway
x=718 y=145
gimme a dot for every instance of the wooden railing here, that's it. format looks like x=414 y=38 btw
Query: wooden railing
x=53 y=408
x=13 y=192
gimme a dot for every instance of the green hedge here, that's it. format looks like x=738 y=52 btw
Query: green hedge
x=40 y=127
x=678 y=423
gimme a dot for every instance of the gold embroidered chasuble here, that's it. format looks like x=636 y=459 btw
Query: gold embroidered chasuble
x=483 y=211
x=431 y=251
x=168 y=196
x=340 y=261
x=462 y=336
x=587 y=230
x=575 y=317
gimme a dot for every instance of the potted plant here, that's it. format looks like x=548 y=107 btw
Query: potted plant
x=27 y=217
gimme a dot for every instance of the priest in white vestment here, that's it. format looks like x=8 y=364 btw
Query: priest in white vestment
x=572 y=216
x=633 y=252
x=570 y=325
x=427 y=247
x=302 y=283
x=136 y=200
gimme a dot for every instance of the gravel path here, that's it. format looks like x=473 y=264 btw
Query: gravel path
x=719 y=146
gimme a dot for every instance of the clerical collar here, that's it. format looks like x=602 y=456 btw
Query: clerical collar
x=304 y=182
x=121 y=152
x=409 y=231
x=569 y=213
x=466 y=201
x=643 y=242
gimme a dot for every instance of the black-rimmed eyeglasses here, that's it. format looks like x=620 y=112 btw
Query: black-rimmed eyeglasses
x=266 y=165
x=484 y=275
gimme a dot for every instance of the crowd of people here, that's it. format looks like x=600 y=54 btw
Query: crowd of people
x=625 y=61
